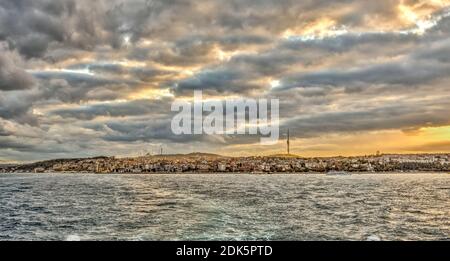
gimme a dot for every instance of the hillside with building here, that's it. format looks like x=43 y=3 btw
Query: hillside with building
x=212 y=163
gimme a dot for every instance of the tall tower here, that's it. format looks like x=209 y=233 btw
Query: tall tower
x=288 y=152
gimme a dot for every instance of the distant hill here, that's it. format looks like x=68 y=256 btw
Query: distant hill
x=5 y=163
x=191 y=155
x=212 y=155
x=200 y=154
x=283 y=156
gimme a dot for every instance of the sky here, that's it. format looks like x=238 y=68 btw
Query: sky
x=88 y=78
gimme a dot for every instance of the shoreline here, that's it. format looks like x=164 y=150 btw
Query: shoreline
x=210 y=163
x=229 y=173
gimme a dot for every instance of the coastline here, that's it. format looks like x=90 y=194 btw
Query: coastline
x=197 y=163
x=230 y=173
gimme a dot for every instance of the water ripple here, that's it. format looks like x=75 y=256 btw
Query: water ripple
x=224 y=207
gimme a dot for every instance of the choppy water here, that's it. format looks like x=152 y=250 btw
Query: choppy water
x=224 y=207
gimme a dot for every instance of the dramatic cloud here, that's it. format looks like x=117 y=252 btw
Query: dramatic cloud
x=421 y=67
x=86 y=78
x=120 y=109
x=12 y=77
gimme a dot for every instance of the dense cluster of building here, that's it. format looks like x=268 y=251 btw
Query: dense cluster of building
x=208 y=163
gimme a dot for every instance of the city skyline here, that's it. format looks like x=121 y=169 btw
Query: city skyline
x=83 y=78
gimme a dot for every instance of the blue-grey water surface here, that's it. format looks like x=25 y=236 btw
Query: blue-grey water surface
x=224 y=207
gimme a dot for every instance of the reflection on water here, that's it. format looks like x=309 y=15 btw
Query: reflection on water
x=224 y=207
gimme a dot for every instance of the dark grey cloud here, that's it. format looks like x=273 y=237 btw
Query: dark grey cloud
x=442 y=28
x=108 y=70
x=14 y=144
x=152 y=129
x=33 y=45
x=405 y=115
x=420 y=67
x=272 y=63
x=17 y=106
x=151 y=74
x=33 y=26
x=351 y=41
x=32 y=147
x=140 y=131
x=217 y=81
x=40 y=24
x=74 y=87
x=118 y=109
x=77 y=78
x=12 y=77
x=438 y=51
x=392 y=73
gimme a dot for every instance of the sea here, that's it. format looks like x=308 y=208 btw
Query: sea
x=395 y=206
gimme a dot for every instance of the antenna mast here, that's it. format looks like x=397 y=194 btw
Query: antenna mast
x=288 y=142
